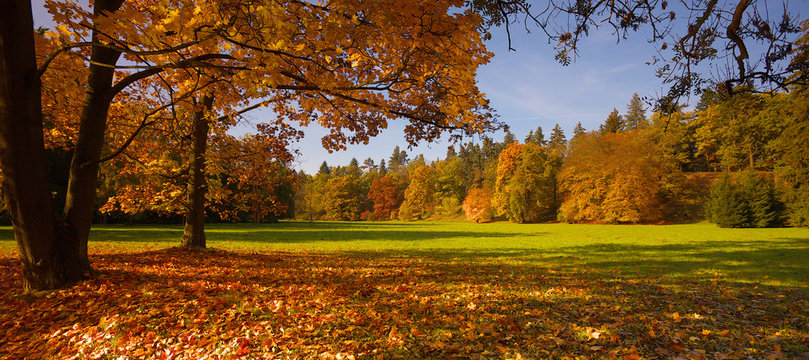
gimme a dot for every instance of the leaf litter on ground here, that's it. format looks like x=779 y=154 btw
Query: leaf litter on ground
x=216 y=304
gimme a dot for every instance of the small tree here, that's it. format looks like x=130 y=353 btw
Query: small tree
x=478 y=206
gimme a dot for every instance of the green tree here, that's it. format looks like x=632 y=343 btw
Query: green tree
x=535 y=137
x=526 y=183
x=613 y=124
x=635 y=117
x=578 y=130
x=397 y=160
x=344 y=198
x=746 y=200
x=792 y=165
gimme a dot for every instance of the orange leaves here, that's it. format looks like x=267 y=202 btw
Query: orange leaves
x=615 y=178
x=186 y=305
x=478 y=206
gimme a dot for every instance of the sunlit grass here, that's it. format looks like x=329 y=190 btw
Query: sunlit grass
x=777 y=257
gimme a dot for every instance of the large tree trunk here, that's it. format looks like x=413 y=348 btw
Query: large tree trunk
x=81 y=190
x=194 y=234
x=45 y=263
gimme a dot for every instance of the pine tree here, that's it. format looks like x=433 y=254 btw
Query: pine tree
x=557 y=137
x=509 y=138
x=635 y=114
x=578 y=130
x=398 y=159
x=324 y=169
x=383 y=169
x=613 y=124
x=536 y=137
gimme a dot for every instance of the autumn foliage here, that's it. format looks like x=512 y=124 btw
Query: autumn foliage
x=181 y=304
x=614 y=178
x=478 y=206
x=387 y=195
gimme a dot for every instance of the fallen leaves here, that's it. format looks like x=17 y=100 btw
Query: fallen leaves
x=175 y=304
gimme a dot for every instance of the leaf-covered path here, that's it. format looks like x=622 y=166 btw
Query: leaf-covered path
x=176 y=304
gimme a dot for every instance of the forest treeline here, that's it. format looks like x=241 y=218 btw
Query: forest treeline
x=735 y=159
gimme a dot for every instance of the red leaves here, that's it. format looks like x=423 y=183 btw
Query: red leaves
x=172 y=304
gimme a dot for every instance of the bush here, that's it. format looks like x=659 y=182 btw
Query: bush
x=478 y=206
x=750 y=201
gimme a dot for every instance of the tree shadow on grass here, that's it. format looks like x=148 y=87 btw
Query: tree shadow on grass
x=298 y=236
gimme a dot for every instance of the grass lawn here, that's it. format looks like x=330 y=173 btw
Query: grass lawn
x=422 y=290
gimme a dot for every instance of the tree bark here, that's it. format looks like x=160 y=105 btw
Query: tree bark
x=81 y=190
x=194 y=234
x=45 y=263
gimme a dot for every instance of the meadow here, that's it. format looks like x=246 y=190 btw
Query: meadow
x=422 y=290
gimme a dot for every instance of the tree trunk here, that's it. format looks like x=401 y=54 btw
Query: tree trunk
x=194 y=234
x=81 y=189
x=45 y=263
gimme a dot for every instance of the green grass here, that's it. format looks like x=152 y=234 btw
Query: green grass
x=777 y=257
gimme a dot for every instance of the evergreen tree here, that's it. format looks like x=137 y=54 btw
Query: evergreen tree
x=536 y=137
x=509 y=138
x=578 y=130
x=324 y=169
x=727 y=207
x=398 y=159
x=557 y=137
x=635 y=114
x=368 y=164
x=354 y=163
x=383 y=169
x=751 y=201
x=613 y=124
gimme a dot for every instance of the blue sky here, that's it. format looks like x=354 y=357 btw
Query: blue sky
x=527 y=88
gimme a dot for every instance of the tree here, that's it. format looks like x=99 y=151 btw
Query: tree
x=509 y=138
x=343 y=198
x=613 y=124
x=387 y=194
x=47 y=260
x=397 y=160
x=557 y=140
x=578 y=130
x=478 y=206
x=450 y=186
x=325 y=77
x=736 y=132
x=526 y=183
x=792 y=164
x=635 y=117
x=368 y=165
x=749 y=200
x=324 y=169
x=535 y=137
x=615 y=178
x=420 y=193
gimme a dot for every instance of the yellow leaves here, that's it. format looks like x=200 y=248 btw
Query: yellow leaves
x=62 y=29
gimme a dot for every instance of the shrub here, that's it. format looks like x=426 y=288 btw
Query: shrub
x=478 y=206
